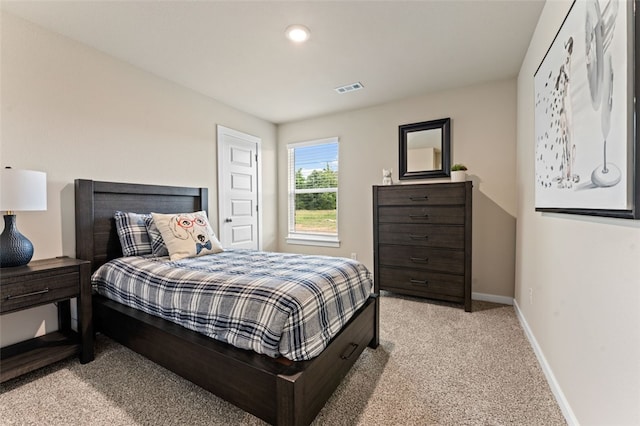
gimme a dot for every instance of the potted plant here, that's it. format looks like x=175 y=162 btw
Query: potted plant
x=458 y=173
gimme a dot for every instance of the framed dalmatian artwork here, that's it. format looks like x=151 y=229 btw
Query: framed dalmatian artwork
x=587 y=158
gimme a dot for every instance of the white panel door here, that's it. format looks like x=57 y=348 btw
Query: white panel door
x=238 y=156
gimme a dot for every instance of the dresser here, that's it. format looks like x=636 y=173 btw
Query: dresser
x=38 y=283
x=422 y=240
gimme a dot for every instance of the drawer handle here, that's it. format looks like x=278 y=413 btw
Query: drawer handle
x=33 y=293
x=421 y=282
x=419 y=216
x=419 y=259
x=426 y=197
x=419 y=237
x=349 y=351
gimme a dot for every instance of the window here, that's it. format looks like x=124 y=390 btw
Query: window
x=313 y=193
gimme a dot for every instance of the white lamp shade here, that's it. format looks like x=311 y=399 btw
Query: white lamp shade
x=22 y=190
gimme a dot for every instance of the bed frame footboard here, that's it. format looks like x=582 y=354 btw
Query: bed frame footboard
x=279 y=392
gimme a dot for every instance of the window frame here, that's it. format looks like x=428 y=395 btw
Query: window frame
x=309 y=238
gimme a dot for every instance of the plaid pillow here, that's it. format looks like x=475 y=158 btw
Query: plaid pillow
x=132 y=233
x=158 y=247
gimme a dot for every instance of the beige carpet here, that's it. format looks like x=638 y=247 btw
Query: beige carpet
x=436 y=365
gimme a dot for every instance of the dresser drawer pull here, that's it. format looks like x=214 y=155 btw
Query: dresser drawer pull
x=426 y=197
x=421 y=282
x=33 y=293
x=349 y=351
x=419 y=259
x=419 y=216
x=418 y=237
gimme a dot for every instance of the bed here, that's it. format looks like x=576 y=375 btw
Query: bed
x=279 y=391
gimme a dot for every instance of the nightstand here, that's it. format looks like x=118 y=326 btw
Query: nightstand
x=39 y=283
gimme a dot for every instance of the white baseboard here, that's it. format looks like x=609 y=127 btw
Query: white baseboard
x=492 y=298
x=546 y=368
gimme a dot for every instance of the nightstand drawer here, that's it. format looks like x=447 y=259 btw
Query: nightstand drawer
x=421 y=195
x=422 y=235
x=34 y=291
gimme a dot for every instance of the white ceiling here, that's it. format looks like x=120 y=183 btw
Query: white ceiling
x=236 y=52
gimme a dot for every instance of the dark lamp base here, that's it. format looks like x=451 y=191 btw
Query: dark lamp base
x=15 y=248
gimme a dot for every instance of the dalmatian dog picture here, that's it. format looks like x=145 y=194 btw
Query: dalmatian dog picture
x=556 y=149
x=582 y=113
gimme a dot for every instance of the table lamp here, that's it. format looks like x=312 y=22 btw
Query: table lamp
x=20 y=190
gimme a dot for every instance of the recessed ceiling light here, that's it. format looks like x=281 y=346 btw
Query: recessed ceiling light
x=297 y=33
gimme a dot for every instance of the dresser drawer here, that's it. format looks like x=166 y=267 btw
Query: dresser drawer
x=422 y=283
x=450 y=261
x=422 y=235
x=422 y=195
x=21 y=292
x=442 y=215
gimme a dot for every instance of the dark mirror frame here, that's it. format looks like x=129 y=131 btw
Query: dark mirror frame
x=443 y=124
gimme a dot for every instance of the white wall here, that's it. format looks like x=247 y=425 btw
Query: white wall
x=483 y=137
x=585 y=276
x=73 y=112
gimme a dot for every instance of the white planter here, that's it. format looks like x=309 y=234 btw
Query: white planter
x=458 y=176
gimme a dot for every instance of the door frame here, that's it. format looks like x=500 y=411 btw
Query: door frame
x=221 y=132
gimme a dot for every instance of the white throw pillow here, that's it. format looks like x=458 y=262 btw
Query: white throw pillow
x=187 y=234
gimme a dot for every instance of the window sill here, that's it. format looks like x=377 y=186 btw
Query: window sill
x=313 y=240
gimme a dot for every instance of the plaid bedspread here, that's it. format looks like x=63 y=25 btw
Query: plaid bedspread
x=278 y=304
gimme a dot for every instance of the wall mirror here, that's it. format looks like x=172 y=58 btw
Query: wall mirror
x=425 y=149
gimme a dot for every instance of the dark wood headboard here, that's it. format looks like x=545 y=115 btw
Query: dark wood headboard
x=96 y=203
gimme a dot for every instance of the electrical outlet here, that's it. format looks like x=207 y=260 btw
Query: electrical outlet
x=354 y=256
x=530 y=296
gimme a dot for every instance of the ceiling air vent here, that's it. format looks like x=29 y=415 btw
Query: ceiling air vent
x=349 y=88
